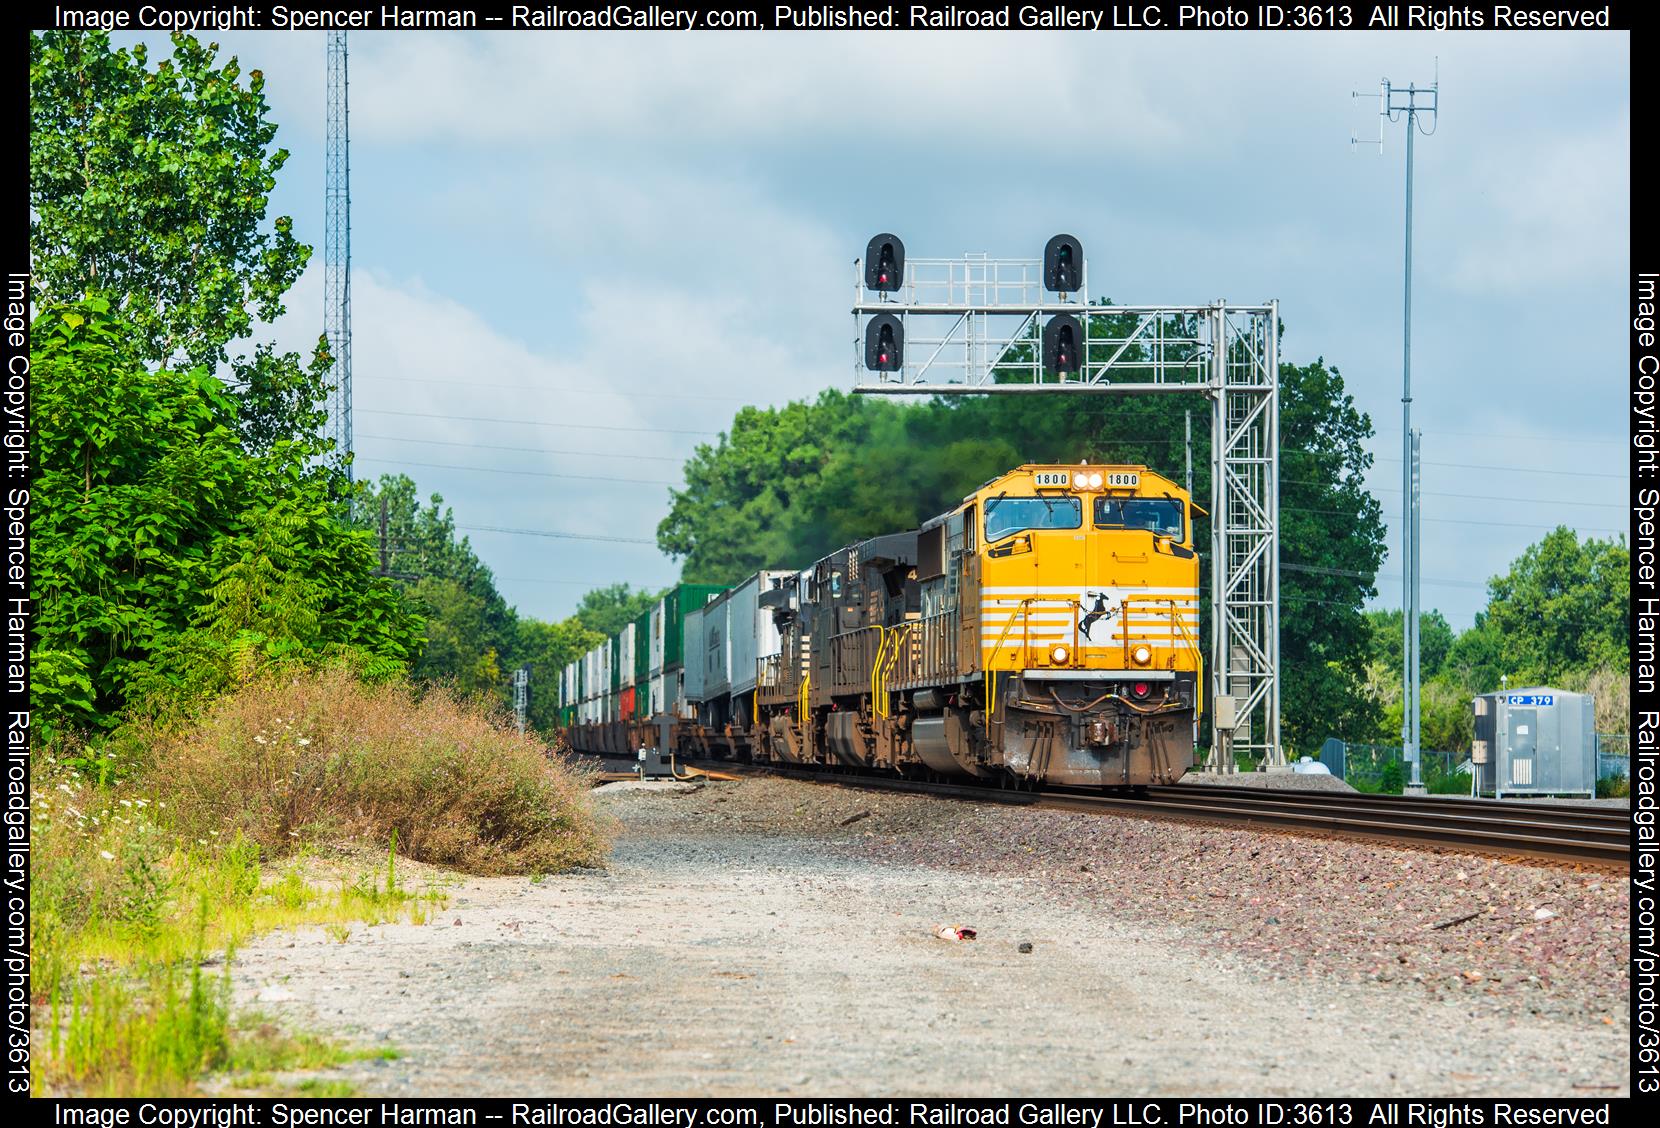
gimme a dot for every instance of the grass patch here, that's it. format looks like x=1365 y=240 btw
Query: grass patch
x=159 y=852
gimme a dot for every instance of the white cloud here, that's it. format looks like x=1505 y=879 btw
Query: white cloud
x=1563 y=217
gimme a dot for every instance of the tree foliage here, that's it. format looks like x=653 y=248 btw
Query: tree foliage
x=1560 y=616
x=474 y=638
x=150 y=186
x=606 y=610
x=1564 y=606
x=168 y=556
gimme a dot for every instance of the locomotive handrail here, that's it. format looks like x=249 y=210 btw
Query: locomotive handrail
x=1025 y=610
x=877 y=708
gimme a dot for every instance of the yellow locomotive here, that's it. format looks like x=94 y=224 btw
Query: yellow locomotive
x=1045 y=630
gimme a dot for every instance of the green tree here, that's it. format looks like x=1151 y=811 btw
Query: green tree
x=151 y=186
x=1564 y=606
x=166 y=553
x=471 y=630
x=547 y=648
x=605 y=611
x=1435 y=641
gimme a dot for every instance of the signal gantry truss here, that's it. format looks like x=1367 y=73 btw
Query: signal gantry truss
x=974 y=326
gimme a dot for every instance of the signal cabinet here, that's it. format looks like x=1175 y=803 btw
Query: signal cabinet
x=1534 y=741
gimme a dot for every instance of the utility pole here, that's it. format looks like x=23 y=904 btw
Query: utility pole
x=385 y=555
x=1187 y=456
x=521 y=696
x=1411 y=103
x=337 y=250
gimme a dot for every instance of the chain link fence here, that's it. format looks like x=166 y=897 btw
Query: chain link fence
x=1378 y=768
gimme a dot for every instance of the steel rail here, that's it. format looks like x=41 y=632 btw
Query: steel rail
x=1553 y=832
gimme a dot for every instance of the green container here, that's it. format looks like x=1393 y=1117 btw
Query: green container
x=642 y=648
x=681 y=599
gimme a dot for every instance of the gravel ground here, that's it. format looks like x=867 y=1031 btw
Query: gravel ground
x=773 y=936
x=1272 y=781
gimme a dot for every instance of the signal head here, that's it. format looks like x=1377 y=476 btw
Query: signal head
x=885 y=343
x=1063 y=345
x=1063 y=265
x=884 y=263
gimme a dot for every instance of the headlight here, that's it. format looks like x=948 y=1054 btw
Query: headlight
x=1060 y=654
x=1141 y=656
x=1095 y=481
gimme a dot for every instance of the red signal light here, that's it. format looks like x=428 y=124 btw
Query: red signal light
x=1141 y=689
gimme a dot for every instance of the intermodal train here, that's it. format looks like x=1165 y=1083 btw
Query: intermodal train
x=1045 y=631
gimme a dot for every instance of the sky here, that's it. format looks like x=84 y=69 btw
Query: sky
x=576 y=255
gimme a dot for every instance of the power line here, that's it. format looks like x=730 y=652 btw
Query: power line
x=562 y=389
x=533 y=422
x=528 y=473
x=1512 y=469
x=556 y=534
x=1496 y=435
x=528 y=450
x=1491 y=497
x=579 y=583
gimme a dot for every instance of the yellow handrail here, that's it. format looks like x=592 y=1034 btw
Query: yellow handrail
x=1198 y=662
x=877 y=708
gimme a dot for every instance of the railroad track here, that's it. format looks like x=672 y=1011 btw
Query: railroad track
x=1555 y=832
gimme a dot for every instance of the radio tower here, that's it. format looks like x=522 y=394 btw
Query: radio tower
x=337 y=251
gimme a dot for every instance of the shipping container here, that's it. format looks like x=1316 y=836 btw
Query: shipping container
x=642 y=649
x=626 y=704
x=717 y=647
x=625 y=656
x=656 y=703
x=752 y=636
x=654 y=659
x=692 y=681
x=681 y=600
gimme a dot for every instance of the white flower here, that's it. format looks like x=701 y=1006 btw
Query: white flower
x=106 y=855
x=126 y=802
x=304 y=740
x=203 y=841
x=64 y=787
x=143 y=803
x=259 y=740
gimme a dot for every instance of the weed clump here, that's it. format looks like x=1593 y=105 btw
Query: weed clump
x=321 y=756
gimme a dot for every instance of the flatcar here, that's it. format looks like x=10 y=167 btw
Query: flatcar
x=1043 y=631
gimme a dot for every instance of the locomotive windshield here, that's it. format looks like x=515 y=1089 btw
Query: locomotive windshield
x=1162 y=516
x=1005 y=515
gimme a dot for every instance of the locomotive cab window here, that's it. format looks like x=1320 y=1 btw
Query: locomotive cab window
x=1160 y=515
x=1005 y=515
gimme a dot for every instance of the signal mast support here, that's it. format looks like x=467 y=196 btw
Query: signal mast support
x=947 y=309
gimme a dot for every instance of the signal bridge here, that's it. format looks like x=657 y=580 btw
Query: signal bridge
x=976 y=325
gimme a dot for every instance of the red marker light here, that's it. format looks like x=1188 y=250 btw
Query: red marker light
x=1141 y=689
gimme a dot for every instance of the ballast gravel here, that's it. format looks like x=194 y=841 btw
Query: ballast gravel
x=772 y=936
